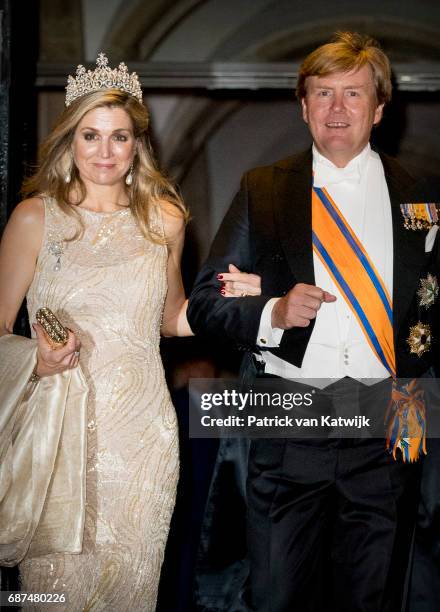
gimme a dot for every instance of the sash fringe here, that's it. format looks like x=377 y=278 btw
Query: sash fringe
x=406 y=422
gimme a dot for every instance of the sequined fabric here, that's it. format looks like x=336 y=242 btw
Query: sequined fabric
x=109 y=286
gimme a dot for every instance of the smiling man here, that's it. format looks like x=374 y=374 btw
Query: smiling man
x=340 y=110
x=330 y=521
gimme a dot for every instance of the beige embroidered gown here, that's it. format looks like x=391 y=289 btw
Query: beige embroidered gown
x=110 y=286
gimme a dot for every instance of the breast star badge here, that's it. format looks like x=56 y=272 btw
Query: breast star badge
x=419 y=339
x=428 y=291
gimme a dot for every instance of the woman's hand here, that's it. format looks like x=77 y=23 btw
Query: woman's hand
x=53 y=361
x=239 y=284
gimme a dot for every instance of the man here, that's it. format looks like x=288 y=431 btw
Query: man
x=325 y=231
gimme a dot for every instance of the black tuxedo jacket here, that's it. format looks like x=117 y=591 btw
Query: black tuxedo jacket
x=268 y=231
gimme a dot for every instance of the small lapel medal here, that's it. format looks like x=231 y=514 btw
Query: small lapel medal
x=420 y=216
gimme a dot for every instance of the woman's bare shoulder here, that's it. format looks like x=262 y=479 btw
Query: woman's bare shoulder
x=29 y=212
x=26 y=223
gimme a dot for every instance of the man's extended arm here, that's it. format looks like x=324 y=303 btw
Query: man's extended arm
x=209 y=312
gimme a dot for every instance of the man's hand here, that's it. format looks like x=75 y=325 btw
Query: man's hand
x=299 y=306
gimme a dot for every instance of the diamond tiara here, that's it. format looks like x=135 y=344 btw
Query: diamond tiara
x=103 y=77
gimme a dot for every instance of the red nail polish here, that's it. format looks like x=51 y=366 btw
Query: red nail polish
x=220 y=276
x=222 y=291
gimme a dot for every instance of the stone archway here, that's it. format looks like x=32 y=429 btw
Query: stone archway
x=140 y=26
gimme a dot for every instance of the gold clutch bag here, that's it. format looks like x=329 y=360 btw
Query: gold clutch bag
x=56 y=333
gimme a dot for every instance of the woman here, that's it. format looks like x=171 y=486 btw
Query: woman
x=98 y=240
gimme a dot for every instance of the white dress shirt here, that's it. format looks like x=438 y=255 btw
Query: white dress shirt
x=337 y=346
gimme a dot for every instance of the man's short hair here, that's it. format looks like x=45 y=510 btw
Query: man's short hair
x=348 y=51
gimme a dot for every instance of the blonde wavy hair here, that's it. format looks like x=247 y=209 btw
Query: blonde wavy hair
x=149 y=186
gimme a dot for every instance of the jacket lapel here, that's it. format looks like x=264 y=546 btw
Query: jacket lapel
x=293 y=214
x=293 y=217
x=408 y=246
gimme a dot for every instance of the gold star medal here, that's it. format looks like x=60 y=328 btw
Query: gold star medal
x=419 y=339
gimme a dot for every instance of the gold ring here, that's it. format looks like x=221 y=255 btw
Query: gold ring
x=243 y=294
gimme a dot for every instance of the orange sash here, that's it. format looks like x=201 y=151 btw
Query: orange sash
x=348 y=263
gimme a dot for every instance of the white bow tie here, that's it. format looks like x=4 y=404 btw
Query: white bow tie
x=327 y=175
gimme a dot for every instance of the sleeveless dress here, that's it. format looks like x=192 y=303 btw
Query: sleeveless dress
x=109 y=286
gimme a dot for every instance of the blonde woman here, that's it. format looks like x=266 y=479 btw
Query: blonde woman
x=91 y=453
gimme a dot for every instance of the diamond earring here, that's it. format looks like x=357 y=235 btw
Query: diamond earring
x=129 y=177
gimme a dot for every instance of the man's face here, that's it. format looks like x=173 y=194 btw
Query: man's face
x=340 y=110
